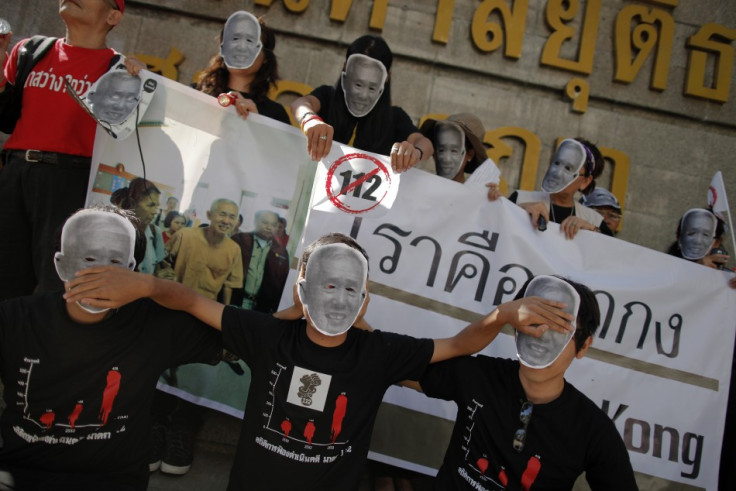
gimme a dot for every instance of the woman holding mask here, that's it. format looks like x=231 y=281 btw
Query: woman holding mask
x=245 y=68
x=357 y=111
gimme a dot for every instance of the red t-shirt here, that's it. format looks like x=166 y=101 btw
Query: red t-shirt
x=51 y=120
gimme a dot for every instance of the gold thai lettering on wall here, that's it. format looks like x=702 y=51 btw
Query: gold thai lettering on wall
x=166 y=67
x=715 y=39
x=651 y=28
x=559 y=19
x=487 y=35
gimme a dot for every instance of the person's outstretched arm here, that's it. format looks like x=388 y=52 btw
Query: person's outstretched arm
x=318 y=133
x=529 y=315
x=113 y=287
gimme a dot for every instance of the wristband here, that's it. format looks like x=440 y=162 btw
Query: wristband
x=311 y=118
x=308 y=113
x=421 y=153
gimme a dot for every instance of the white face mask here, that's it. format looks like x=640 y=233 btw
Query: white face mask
x=697 y=233
x=449 y=145
x=333 y=289
x=566 y=165
x=94 y=238
x=241 y=40
x=543 y=351
x=362 y=83
x=115 y=96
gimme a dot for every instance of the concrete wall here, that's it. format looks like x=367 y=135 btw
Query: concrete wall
x=675 y=143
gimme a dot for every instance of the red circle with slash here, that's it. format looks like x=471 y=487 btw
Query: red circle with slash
x=339 y=199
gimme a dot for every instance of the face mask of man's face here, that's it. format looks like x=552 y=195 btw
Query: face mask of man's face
x=449 y=144
x=567 y=164
x=362 y=83
x=333 y=289
x=543 y=351
x=697 y=233
x=241 y=40
x=95 y=238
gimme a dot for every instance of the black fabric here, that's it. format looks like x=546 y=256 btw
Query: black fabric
x=36 y=199
x=402 y=125
x=565 y=437
x=79 y=396
x=310 y=409
x=11 y=98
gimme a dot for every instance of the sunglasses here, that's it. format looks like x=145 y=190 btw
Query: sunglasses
x=525 y=415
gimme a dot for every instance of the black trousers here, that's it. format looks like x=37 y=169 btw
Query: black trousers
x=35 y=200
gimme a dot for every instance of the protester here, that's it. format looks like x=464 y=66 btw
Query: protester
x=248 y=69
x=316 y=384
x=519 y=424
x=357 y=111
x=47 y=156
x=172 y=204
x=606 y=204
x=574 y=167
x=79 y=419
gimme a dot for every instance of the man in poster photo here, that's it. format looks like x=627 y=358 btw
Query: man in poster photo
x=241 y=40
x=115 y=97
x=265 y=265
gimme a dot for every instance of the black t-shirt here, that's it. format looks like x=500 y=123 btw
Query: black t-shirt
x=565 y=437
x=79 y=396
x=402 y=124
x=557 y=214
x=310 y=409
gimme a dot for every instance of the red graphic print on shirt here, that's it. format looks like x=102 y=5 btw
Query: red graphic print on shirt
x=482 y=465
x=530 y=473
x=309 y=430
x=341 y=405
x=75 y=414
x=47 y=419
x=108 y=396
x=286 y=427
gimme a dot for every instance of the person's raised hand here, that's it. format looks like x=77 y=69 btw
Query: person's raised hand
x=493 y=192
x=108 y=286
x=715 y=261
x=243 y=105
x=319 y=138
x=134 y=65
x=535 y=315
x=535 y=210
x=571 y=225
x=404 y=156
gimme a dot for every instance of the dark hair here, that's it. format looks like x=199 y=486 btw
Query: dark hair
x=674 y=248
x=214 y=79
x=332 y=238
x=128 y=197
x=170 y=216
x=594 y=163
x=376 y=127
x=589 y=314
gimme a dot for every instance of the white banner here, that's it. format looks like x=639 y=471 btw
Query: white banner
x=443 y=255
x=660 y=363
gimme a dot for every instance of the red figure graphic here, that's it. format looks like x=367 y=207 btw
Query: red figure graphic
x=482 y=465
x=341 y=405
x=530 y=473
x=309 y=431
x=503 y=478
x=108 y=396
x=286 y=427
x=75 y=415
x=47 y=419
